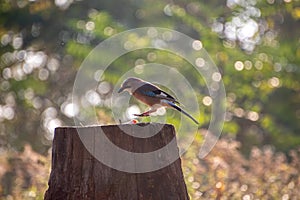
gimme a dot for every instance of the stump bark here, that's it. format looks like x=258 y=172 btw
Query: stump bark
x=78 y=174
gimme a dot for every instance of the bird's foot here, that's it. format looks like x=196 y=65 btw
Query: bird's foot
x=142 y=115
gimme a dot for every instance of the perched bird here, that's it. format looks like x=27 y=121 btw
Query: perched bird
x=151 y=95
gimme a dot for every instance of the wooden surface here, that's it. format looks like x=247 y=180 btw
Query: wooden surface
x=77 y=174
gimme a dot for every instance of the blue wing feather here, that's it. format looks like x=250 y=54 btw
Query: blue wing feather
x=153 y=91
x=149 y=93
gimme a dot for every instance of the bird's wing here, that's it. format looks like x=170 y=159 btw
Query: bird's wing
x=153 y=91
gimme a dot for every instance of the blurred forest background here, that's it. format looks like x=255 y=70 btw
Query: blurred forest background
x=254 y=43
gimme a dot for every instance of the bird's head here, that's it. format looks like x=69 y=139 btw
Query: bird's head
x=131 y=84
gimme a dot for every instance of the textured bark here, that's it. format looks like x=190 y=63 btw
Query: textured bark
x=76 y=174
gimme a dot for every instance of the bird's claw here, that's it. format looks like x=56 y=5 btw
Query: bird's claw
x=141 y=115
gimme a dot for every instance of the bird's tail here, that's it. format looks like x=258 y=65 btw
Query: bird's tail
x=182 y=111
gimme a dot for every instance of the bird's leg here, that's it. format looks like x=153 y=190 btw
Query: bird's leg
x=144 y=114
x=147 y=113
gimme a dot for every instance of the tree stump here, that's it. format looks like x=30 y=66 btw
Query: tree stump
x=77 y=174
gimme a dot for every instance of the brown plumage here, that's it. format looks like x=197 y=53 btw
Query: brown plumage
x=151 y=95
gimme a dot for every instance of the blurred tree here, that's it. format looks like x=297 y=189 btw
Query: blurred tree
x=255 y=44
x=250 y=41
x=259 y=63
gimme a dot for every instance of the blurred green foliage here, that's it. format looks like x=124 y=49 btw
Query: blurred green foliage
x=255 y=45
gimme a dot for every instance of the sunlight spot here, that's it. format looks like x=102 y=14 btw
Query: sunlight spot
x=50 y=112
x=197 y=45
x=248 y=65
x=53 y=64
x=159 y=44
x=230 y=31
x=200 y=62
x=90 y=26
x=43 y=74
x=139 y=69
x=256 y=84
x=36 y=60
x=128 y=45
x=216 y=77
x=18 y=73
x=179 y=11
x=98 y=76
x=32 y=194
x=246 y=197
x=29 y=93
x=152 y=32
x=63 y=3
x=291 y=185
x=230 y=44
x=8 y=112
x=134 y=109
x=70 y=109
x=231 y=97
x=248 y=30
x=277 y=67
x=191 y=179
x=263 y=57
x=253 y=116
x=274 y=82
x=258 y=65
x=239 y=66
x=198 y=194
x=6 y=73
x=285 y=197
x=207 y=100
x=214 y=86
x=37 y=102
x=17 y=42
x=219 y=185
x=60 y=2
x=92 y=13
x=217 y=27
x=108 y=31
x=151 y=56
x=21 y=55
x=168 y=10
x=139 y=61
x=244 y=188
x=104 y=88
x=51 y=125
x=80 y=24
x=5 y=39
x=93 y=97
x=5 y=85
x=195 y=185
x=10 y=99
x=231 y=3
x=239 y=112
x=196 y=161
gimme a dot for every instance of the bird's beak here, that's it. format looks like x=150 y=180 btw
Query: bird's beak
x=122 y=89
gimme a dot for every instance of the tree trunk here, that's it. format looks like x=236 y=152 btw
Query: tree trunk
x=77 y=173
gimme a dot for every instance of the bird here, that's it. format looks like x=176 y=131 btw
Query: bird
x=152 y=96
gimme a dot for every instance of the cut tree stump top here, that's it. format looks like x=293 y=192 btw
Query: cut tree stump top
x=78 y=170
